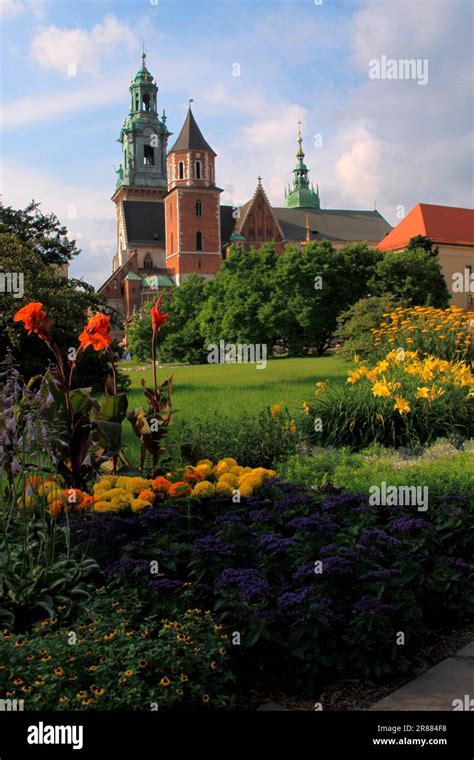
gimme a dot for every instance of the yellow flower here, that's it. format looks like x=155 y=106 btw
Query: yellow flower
x=230 y=462
x=183 y=678
x=306 y=407
x=423 y=392
x=204 y=489
x=205 y=469
x=165 y=681
x=381 y=389
x=128 y=673
x=205 y=698
x=138 y=504
x=224 y=489
x=354 y=376
x=275 y=410
x=402 y=405
x=230 y=479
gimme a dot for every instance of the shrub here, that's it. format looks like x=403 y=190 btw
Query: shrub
x=357 y=323
x=258 y=440
x=403 y=400
x=118 y=658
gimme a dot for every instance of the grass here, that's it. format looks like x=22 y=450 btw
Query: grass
x=232 y=389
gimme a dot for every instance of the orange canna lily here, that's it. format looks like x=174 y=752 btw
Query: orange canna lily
x=34 y=318
x=96 y=333
x=157 y=318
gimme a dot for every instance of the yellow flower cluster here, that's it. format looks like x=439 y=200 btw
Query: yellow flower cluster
x=206 y=479
x=227 y=476
x=446 y=333
x=404 y=373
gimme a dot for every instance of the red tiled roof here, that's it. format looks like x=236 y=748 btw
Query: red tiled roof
x=442 y=224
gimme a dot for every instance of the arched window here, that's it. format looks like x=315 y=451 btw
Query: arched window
x=148 y=155
x=198 y=170
x=181 y=170
x=146 y=102
x=148 y=262
x=198 y=241
x=198 y=208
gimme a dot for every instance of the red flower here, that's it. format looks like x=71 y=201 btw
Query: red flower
x=157 y=318
x=34 y=319
x=180 y=490
x=96 y=333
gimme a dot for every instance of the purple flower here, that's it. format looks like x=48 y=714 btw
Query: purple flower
x=407 y=524
x=249 y=582
x=229 y=517
x=274 y=544
x=260 y=515
x=344 y=501
x=370 y=603
x=385 y=574
x=291 y=600
x=371 y=536
x=212 y=546
x=336 y=566
x=318 y=523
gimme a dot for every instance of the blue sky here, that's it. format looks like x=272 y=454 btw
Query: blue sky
x=393 y=142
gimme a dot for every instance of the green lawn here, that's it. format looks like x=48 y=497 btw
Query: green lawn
x=231 y=389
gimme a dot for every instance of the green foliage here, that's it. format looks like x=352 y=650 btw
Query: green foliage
x=65 y=301
x=413 y=275
x=180 y=337
x=42 y=233
x=121 y=659
x=355 y=324
x=257 y=440
x=139 y=334
x=441 y=467
x=352 y=416
x=237 y=308
x=39 y=570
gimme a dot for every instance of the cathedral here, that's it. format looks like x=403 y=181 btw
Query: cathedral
x=171 y=223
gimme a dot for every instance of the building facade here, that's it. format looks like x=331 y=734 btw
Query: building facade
x=451 y=230
x=170 y=222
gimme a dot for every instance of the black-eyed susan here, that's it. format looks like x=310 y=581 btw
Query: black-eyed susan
x=205 y=698
x=58 y=671
x=129 y=673
x=20 y=642
x=165 y=681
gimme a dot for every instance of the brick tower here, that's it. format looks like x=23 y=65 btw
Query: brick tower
x=192 y=206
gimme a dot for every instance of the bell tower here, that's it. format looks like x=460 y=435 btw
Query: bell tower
x=192 y=206
x=143 y=136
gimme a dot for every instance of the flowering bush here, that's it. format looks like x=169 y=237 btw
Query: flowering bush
x=205 y=480
x=121 y=660
x=256 y=565
x=445 y=333
x=401 y=400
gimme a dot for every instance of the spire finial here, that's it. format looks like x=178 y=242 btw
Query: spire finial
x=143 y=54
x=191 y=100
x=259 y=179
x=300 y=153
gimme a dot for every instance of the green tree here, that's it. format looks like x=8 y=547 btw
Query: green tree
x=312 y=287
x=44 y=234
x=237 y=308
x=181 y=338
x=413 y=275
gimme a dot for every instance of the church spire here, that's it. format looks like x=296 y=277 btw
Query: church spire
x=302 y=195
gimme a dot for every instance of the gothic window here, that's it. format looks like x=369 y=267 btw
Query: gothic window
x=181 y=170
x=146 y=102
x=148 y=262
x=199 y=241
x=260 y=232
x=198 y=208
x=136 y=102
x=199 y=264
x=198 y=170
x=148 y=155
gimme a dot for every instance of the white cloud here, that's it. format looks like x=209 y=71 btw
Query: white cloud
x=28 y=110
x=357 y=170
x=10 y=8
x=59 y=49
